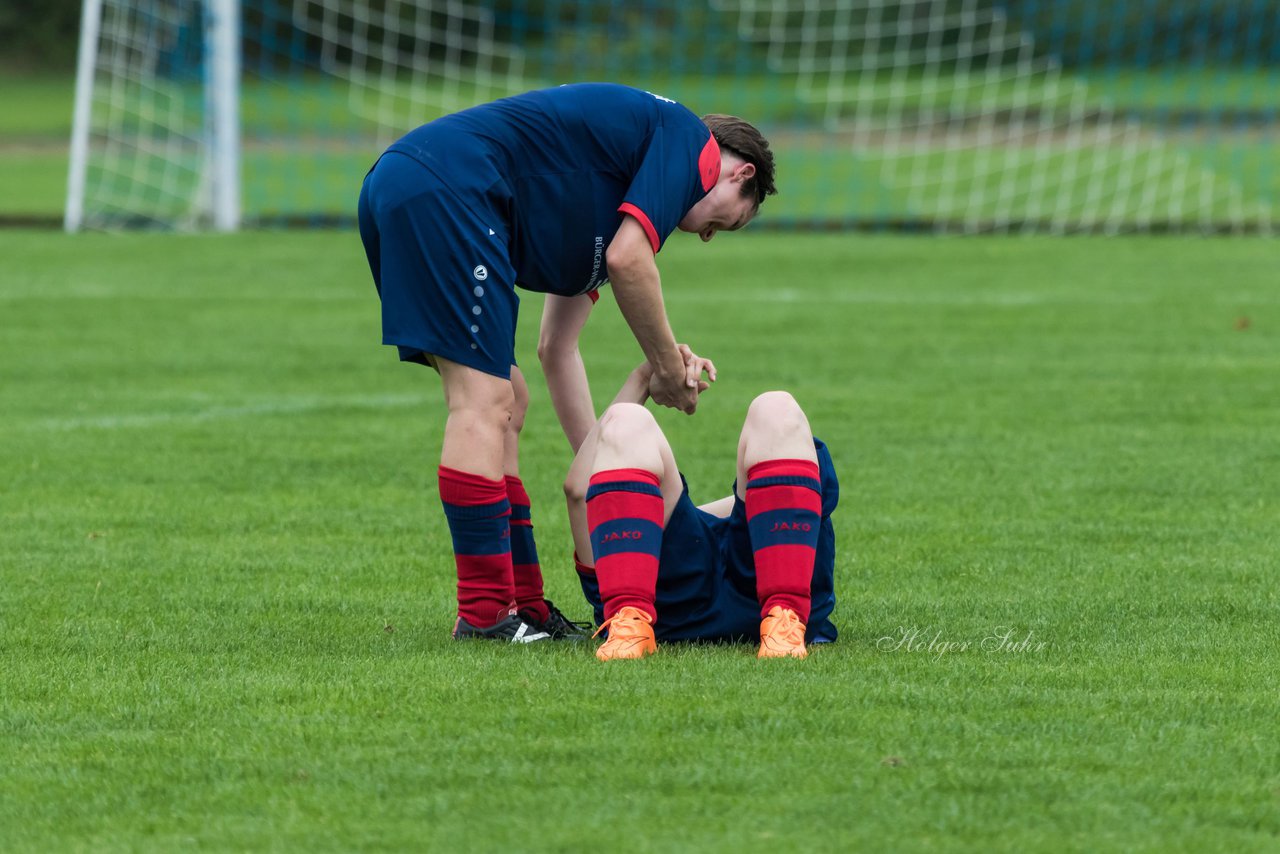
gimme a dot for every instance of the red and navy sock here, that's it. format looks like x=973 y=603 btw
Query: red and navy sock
x=784 y=511
x=524 y=553
x=590 y=587
x=624 y=515
x=478 y=511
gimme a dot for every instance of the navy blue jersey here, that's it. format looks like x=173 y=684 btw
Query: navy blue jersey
x=557 y=169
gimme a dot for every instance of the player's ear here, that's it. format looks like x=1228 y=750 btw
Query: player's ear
x=744 y=172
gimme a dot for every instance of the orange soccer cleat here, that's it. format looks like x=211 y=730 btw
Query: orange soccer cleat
x=630 y=635
x=782 y=635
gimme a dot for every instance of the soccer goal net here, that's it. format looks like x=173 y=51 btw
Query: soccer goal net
x=950 y=115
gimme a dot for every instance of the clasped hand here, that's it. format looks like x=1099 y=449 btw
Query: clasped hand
x=681 y=391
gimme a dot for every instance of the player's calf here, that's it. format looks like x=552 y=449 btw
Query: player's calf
x=784 y=516
x=625 y=516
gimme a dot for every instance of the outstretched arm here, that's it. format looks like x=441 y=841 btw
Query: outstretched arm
x=637 y=286
x=562 y=321
x=635 y=388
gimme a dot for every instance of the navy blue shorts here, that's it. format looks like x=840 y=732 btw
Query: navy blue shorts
x=439 y=256
x=707 y=577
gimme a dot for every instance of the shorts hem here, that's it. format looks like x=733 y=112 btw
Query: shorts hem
x=469 y=358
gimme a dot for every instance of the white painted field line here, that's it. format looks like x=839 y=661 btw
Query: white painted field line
x=88 y=293
x=286 y=406
x=959 y=297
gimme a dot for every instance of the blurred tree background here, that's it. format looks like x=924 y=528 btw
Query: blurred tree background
x=40 y=35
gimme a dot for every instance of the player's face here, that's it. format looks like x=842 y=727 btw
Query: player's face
x=725 y=208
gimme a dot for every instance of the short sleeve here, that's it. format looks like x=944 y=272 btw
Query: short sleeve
x=680 y=166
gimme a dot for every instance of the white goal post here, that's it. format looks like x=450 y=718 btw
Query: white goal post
x=142 y=153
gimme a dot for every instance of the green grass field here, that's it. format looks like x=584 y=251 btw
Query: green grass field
x=226 y=591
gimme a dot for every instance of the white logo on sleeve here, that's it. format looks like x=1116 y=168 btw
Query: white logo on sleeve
x=480 y=272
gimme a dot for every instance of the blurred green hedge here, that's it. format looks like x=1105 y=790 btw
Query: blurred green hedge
x=39 y=35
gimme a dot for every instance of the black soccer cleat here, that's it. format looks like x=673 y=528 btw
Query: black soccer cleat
x=557 y=625
x=511 y=629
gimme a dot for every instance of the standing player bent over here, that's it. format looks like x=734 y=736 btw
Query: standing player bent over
x=653 y=565
x=558 y=191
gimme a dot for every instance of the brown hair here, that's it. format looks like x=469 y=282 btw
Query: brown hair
x=741 y=138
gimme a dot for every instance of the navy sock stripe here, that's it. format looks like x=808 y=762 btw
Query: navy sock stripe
x=480 y=536
x=786 y=480
x=618 y=536
x=524 y=549
x=637 y=486
x=464 y=512
x=521 y=513
x=791 y=526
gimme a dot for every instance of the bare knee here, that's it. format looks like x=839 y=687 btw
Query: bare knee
x=629 y=438
x=491 y=403
x=626 y=425
x=519 y=407
x=776 y=413
x=776 y=428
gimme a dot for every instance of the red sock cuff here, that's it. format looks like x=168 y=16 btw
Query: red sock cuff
x=615 y=475
x=465 y=488
x=581 y=567
x=516 y=491
x=783 y=468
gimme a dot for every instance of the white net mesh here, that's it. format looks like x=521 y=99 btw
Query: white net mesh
x=983 y=131
x=955 y=115
x=147 y=157
x=408 y=60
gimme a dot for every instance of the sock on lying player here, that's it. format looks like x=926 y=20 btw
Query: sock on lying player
x=478 y=511
x=784 y=511
x=624 y=516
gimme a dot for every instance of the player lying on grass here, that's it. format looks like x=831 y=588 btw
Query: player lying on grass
x=653 y=565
